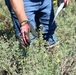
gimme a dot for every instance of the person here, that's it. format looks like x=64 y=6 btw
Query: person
x=27 y=13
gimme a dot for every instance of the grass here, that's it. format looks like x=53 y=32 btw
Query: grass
x=15 y=59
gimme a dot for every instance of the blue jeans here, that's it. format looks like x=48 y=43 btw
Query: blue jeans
x=38 y=12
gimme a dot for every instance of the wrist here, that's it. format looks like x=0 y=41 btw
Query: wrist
x=24 y=22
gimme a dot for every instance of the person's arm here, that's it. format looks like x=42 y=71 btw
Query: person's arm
x=18 y=8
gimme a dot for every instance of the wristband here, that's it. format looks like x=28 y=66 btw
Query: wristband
x=24 y=22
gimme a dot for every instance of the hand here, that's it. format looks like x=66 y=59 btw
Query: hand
x=66 y=2
x=61 y=1
x=25 y=34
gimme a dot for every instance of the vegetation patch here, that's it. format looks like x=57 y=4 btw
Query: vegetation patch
x=15 y=59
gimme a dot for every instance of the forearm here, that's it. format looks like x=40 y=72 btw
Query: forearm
x=18 y=8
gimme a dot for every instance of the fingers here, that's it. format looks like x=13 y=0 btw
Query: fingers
x=66 y=2
x=25 y=39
